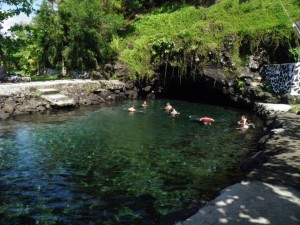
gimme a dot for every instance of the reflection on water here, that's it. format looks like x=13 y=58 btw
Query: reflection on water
x=106 y=166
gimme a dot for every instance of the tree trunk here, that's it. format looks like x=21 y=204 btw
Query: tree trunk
x=63 y=69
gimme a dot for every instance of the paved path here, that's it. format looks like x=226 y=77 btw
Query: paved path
x=7 y=89
x=250 y=203
x=271 y=193
x=283 y=149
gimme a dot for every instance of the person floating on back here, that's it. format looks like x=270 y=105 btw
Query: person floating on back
x=206 y=120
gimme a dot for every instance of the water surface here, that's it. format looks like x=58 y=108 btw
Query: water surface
x=107 y=166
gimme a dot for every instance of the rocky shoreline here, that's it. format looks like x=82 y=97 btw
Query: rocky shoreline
x=33 y=97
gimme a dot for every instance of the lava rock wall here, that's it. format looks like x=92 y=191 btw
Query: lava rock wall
x=283 y=78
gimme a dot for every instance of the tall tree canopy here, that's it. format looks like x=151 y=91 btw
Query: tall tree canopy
x=88 y=30
x=9 y=8
x=70 y=35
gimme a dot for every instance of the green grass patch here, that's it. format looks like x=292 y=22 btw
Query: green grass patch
x=47 y=77
x=295 y=108
x=197 y=31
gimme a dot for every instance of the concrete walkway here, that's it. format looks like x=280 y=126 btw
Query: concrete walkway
x=7 y=89
x=283 y=155
x=270 y=194
x=250 y=203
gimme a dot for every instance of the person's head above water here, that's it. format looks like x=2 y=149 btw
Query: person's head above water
x=144 y=104
x=168 y=106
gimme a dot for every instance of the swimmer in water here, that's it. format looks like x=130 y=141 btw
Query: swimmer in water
x=174 y=112
x=206 y=120
x=168 y=107
x=131 y=109
x=243 y=123
x=144 y=104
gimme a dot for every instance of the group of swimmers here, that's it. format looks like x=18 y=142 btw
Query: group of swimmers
x=173 y=113
x=243 y=122
x=169 y=108
x=132 y=109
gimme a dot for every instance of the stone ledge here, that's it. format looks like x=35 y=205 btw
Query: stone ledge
x=250 y=203
x=30 y=87
x=20 y=98
x=269 y=108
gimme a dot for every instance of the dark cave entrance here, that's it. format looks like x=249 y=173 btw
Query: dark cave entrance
x=199 y=88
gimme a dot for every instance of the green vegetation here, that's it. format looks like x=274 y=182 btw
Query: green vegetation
x=65 y=36
x=148 y=36
x=46 y=77
x=240 y=85
x=15 y=7
x=295 y=108
x=200 y=32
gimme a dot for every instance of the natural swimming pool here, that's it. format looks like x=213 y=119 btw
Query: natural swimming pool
x=104 y=165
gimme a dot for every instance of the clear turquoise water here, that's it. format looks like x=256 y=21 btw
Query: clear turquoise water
x=104 y=165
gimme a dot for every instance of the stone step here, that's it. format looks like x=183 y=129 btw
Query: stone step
x=59 y=99
x=46 y=91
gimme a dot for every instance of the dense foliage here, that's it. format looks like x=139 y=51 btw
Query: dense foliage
x=187 y=36
x=71 y=35
x=14 y=7
x=147 y=36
